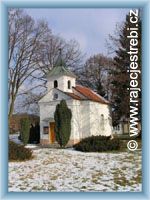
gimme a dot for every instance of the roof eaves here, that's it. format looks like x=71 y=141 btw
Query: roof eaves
x=104 y=101
x=81 y=93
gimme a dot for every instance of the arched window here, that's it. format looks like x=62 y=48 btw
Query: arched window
x=55 y=96
x=55 y=84
x=102 y=122
x=69 y=84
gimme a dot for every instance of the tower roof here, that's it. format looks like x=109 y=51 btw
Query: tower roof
x=60 y=68
x=60 y=71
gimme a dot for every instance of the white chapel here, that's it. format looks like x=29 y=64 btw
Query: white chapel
x=90 y=112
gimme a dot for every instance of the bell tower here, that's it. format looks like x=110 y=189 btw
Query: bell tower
x=60 y=76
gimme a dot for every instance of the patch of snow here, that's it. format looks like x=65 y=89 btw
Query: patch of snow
x=70 y=170
x=31 y=146
x=14 y=138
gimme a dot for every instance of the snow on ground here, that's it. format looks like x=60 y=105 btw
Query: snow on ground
x=14 y=138
x=54 y=170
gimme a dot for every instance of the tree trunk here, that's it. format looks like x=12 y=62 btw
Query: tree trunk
x=11 y=108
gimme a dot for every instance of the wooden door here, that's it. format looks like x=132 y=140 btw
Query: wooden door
x=52 y=132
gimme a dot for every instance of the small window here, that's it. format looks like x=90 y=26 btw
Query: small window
x=55 y=96
x=102 y=121
x=45 y=130
x=69 y=84
x=55 y=84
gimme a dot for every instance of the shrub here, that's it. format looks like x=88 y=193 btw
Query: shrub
x=34 y=134
x=62 y=123
x=98 y=144
x=19 y=152
x=25 y=128
x=12 y=131
x=37 y=133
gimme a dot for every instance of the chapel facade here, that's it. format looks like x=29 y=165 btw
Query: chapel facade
x=90 y=112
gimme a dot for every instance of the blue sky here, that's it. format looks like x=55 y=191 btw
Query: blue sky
x=90 y=27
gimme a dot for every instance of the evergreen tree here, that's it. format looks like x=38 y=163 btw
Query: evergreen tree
x=37 y=133
x=25 y=129
x=62 y=118
x=121 y=78
x=31 y=134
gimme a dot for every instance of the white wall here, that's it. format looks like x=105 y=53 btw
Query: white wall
x=86 y=115
x=96 y=127
x=76 y=127
x=85 y=119
x=50 y=96
x=47 y=110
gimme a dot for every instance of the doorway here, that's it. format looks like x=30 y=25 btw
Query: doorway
x=52 y=132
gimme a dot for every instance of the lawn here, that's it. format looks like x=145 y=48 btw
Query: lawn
x=53 y=170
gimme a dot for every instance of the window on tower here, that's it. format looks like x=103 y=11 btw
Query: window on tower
x=55 y=84
x=69 y=84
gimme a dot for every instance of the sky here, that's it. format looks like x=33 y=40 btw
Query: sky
x=90 y=27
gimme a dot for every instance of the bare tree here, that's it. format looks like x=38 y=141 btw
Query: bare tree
x=95 y=74
x=27 y=103
x=24 y=44
x=71 y=53
x=33 y=52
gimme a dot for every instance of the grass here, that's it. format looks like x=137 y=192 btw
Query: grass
x=54 y=177
x=138 y=177
x=83 y=187
x=96 y=177
x=121 y=180
x=84 y=180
